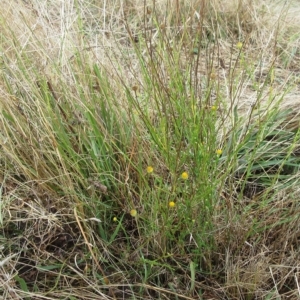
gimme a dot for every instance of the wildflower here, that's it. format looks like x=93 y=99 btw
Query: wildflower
x=213 y=108
x=149 y=169
x=213 y=75
x=115 y=219
x=185 y=175
x=171 y=204
x=219 y=151
x=133 y=212
x=134 y=88
x=239 y=45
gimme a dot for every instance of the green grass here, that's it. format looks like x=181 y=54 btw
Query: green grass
x=160 y=163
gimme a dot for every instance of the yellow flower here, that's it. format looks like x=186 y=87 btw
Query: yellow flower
x=133 y=212
x=149 y=169
x=219 y=151
x=213 y=108
x=172 y=204
x=239 y=45
x=185 y=175
x=115 y=219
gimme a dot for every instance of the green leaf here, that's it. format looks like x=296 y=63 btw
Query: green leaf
x=48 y=268
x=23 y=285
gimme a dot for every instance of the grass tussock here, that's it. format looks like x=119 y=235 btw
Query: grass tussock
x=149 y=150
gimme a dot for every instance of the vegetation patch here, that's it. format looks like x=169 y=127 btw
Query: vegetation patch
x=149 y=150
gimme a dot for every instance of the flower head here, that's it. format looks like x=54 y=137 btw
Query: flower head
x=115 y=219
x=213 y=75
x=135 y=88
x=219 y=151
x=172 y=204
x=185 y=175
x=149 y=169
x=133 y=212
x=239 y=45
x=213 y=108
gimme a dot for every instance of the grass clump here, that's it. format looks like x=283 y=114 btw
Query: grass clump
x=162 y=164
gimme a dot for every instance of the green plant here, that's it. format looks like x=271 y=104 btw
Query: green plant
x=162 y=164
